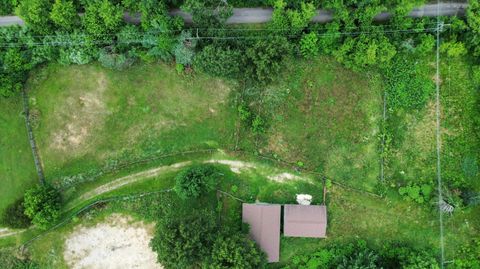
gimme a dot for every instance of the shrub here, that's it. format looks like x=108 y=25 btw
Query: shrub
x=236 y=251
x=244 y=113
x=9 y=260
x=14 y=216
x=408 y=87
x=115 y=61
x=468 y=256
x=453 y=49
x=185 y=49
x=219 y=61
x=419 y=194
x=195 y=180
x=265 y=58
x=42 y=205
x=258 y=125
x=309 y=45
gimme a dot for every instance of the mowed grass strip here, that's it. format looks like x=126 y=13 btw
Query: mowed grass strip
x=17 y=170
x=89 y=115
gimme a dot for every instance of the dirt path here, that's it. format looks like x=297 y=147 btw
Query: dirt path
x=119 y=182
x=4 y=232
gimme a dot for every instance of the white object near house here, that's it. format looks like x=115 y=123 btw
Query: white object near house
x=304 y=199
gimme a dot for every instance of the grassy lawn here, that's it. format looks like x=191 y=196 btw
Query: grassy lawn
x=89 y=116
x=329 y=121
x=17 y=170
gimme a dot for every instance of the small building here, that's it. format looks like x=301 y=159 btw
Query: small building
x=305 y=221
x=264 y=221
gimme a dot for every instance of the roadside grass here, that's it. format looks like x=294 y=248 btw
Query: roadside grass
x=17 y=169
x=89 y=116
x=329 y=121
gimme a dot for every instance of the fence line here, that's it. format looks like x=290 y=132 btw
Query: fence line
x=89 y=206
x=31 y=138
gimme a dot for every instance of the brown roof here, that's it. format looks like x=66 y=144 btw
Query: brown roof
x=264 y=223
x=305 y=221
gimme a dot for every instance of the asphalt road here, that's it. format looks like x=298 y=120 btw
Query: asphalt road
x=261 y=15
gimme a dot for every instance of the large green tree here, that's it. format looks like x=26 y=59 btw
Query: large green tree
x=36 y=14
x=236 y=251
x=265 y=58
x=193 y=181
x=184 y=242
x=64 y=14
x=102 y=18
x=42 y=205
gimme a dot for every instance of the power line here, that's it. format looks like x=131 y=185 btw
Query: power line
x=149 y=35
x=437 y=134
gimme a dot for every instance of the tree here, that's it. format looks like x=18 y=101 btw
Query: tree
x=265 y=58
x=236 y=251
x=36 y=13
x=208 y=13
x=64 y=15
x=80 y=50
x=473 y=21
x=184 y=242
x=14 y=216
x=195 y=180
x=294 y=20
x=309 y=45
x=219 y=61
x=362 y=259
x=185 y=49
x=42 y=205
x=102 y=17
x=6 y=7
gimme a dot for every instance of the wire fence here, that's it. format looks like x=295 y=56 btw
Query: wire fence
x=87 y=207
x=31 y=138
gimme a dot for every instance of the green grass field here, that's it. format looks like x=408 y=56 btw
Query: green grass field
x=329 y=121
x=17 y=170
x=88 y=119
x=89 y=116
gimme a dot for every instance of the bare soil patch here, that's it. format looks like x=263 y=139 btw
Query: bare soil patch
x=116 y=243
x=81 y=114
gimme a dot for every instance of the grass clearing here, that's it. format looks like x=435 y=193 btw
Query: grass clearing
x=330 y=121
x=89 y=115
x=17 y=169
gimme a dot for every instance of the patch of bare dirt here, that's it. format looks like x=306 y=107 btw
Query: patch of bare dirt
x=81 y=114
x=235 y=166
x=284 y=177
x=116 y=243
